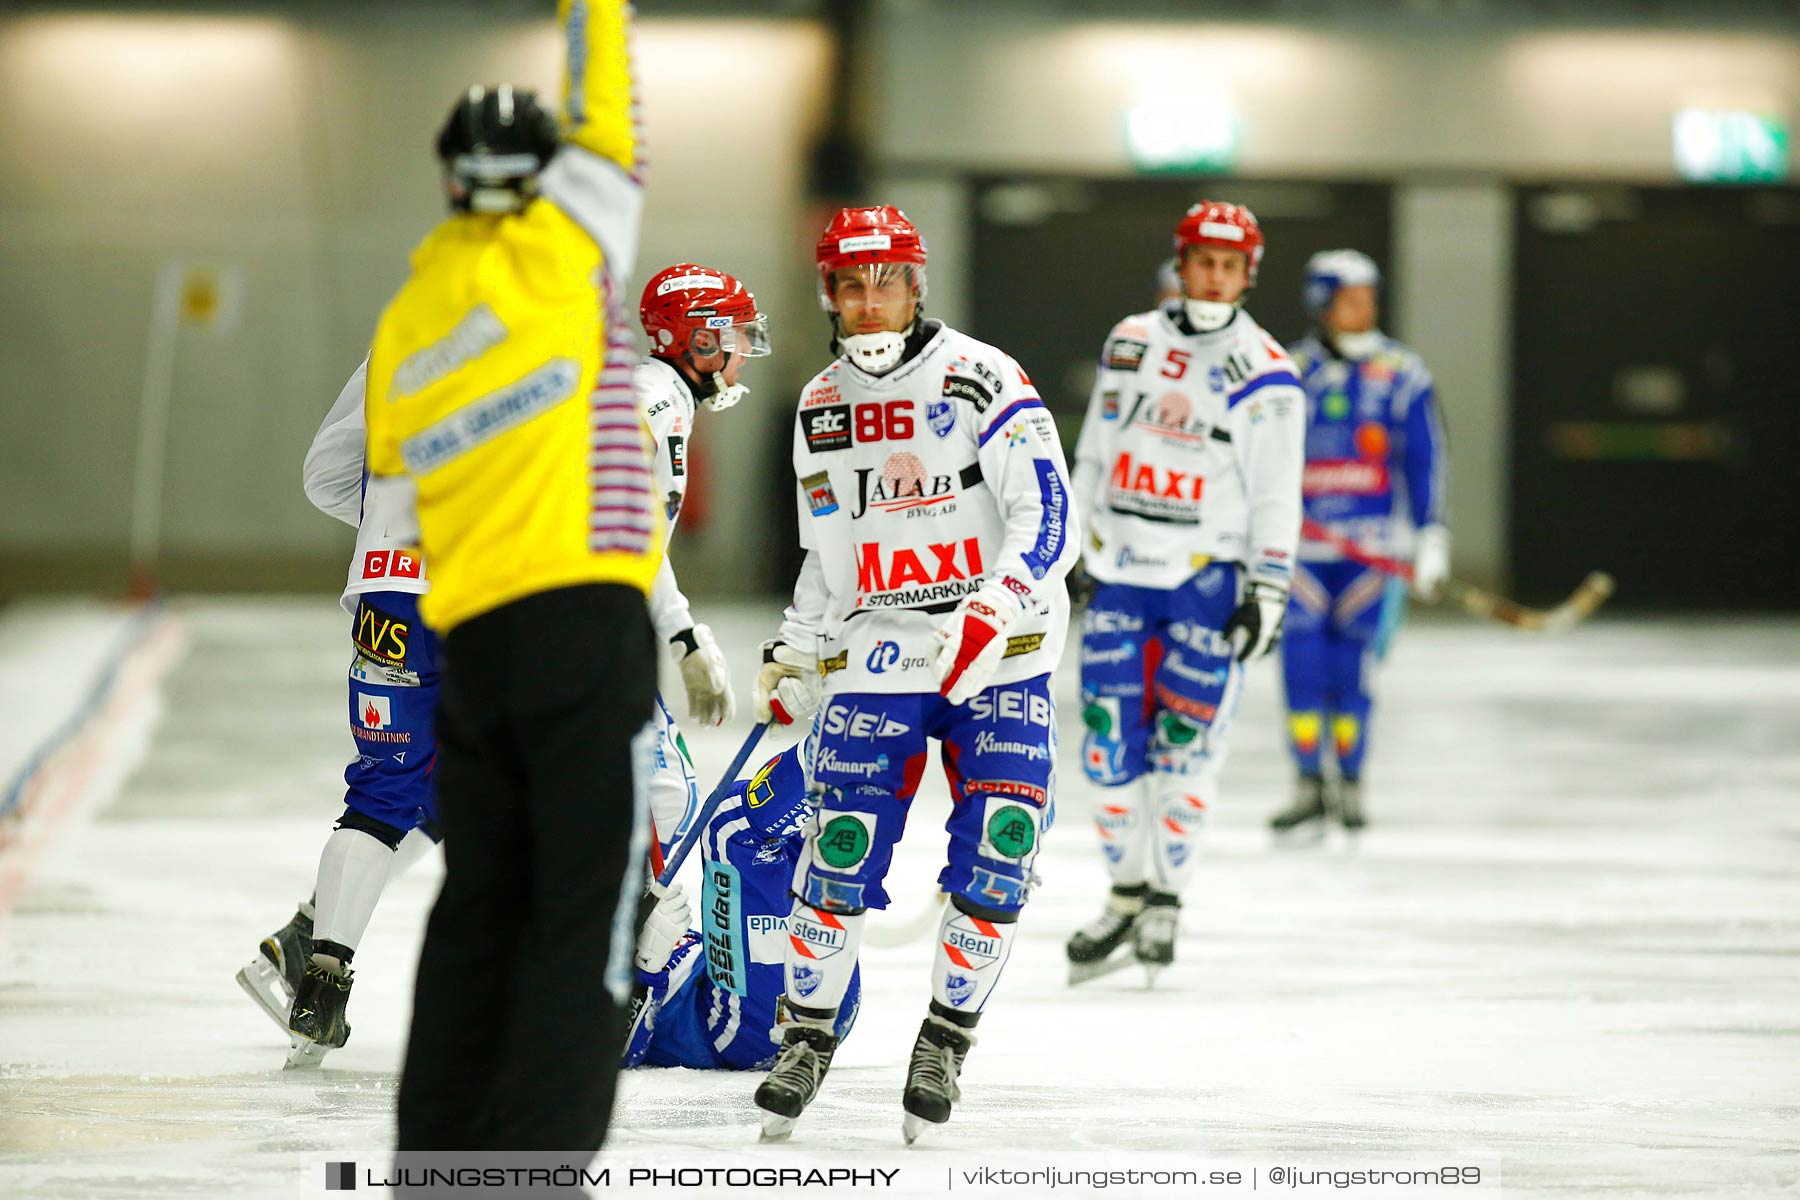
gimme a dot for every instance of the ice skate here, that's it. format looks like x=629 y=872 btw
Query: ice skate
x=1153 y=934
x=794 y=1080
x=273 y=976
x=931 y=1088
x=1308 y=806
x=316 y=1024
x=1349 y=804
x=1093 y=949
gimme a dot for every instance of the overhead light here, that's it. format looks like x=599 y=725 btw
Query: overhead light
x=1182 y=133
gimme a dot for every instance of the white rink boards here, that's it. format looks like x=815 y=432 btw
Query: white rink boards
x=1567 y=943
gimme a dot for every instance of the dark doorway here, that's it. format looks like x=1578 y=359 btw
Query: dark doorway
x=1656 y=417
x=1057 y=262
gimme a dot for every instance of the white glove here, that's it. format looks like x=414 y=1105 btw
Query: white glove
x=666 y=925
x=1431 y=561
x=1255 y=625
x=705 y=675
x=972 y=641
x=787 y=687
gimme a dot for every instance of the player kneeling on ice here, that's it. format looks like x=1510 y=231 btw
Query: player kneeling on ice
x=935 y=517
x=713 y=995
x=1187 y=478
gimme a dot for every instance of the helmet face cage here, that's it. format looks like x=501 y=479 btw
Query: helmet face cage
x=872 y=278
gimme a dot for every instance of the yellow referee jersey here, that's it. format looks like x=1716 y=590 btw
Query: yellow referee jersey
x=499 y=381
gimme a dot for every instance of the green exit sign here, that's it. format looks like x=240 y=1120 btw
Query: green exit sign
x=1730 y=146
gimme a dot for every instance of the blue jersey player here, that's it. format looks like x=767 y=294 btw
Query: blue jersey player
x=1375 y=463
x=715 y=995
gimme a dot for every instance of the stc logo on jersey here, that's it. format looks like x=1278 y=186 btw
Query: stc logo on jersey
x=902 y=486
x=938 y=572
x=1344 y=477
x=887 y=654
x=827 y=428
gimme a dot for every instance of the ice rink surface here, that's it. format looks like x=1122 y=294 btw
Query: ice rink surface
x=1568 y=944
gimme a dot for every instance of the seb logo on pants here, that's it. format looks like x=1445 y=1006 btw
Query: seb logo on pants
x=844 y=720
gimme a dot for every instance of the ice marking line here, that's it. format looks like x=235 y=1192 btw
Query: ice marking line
x=56 y=775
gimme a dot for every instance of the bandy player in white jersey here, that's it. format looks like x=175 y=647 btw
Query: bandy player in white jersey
x=1187 y=479
x=935 y=515
x=702 y=325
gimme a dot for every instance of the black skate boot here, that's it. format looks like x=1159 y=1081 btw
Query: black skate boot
x=1308 y=805
x=1153 y=934
x=1349 y=804
x=1093 y=944
x=794 y=1080
x=937 y=1060
x=317 y=1025
x=273 y=976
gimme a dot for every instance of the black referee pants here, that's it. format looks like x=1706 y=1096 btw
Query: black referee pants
x=516 y=1037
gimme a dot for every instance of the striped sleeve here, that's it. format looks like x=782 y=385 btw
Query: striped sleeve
x=623 y=515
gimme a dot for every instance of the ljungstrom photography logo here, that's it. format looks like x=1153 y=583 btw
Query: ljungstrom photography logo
x=340 y=1177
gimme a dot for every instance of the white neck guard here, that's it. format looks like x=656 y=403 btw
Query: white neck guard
x=876 y=353
x=1207 y=315
x=1357 y=345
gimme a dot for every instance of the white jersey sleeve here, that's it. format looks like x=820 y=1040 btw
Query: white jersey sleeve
x=801 y=621
x=1021 y=461
x=668 y=409
x=1268 y=431
x=1119 y=358
x=669 y=611
x=333 y=474
x=387 y=557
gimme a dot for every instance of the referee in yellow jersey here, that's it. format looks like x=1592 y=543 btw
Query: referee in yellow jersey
x=500 y=413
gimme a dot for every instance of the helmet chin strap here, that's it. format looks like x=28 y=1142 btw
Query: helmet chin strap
x=1208 y=315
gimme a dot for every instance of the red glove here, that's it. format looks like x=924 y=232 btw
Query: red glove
x=972 y=641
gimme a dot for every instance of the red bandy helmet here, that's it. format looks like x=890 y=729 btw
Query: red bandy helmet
x=688 y=309
x=1223 y=226
x=878 y=238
